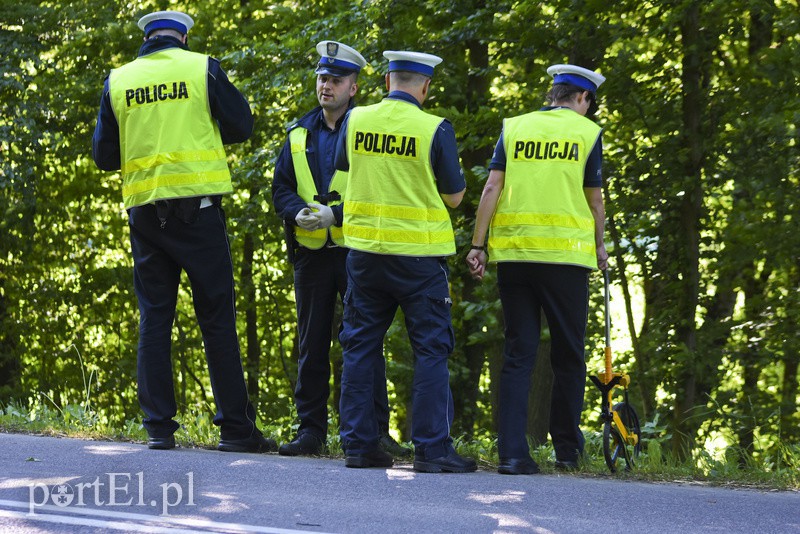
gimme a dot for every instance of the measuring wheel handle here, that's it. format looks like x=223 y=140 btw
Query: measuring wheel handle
x=621 y=430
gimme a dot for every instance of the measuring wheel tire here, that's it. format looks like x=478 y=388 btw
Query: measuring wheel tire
x=614 y=447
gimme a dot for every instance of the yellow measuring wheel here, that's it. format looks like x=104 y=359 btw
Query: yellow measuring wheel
x=622 y=435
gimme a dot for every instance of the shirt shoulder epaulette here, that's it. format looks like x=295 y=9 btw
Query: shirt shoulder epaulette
x=292 y=125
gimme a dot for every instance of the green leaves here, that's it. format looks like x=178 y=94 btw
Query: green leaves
x=703 y=197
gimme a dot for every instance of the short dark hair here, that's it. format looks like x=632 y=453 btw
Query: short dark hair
x=406 y=76
x=567 y=91
x=563 y=91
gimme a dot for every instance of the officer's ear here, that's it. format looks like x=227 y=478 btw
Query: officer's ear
x=353 y=85
x=426 y=86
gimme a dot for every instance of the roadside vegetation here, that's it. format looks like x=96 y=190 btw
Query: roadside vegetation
x=777 y=472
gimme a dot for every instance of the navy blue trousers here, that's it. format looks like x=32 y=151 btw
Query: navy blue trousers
x=377 y=285
x=159 y=255
x=320 y=278
x=562 y=292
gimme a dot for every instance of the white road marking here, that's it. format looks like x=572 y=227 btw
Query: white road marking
x=86 y=522
x=126 y=520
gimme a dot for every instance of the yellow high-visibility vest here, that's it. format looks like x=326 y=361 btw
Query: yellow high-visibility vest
x=392 y=205
x=170 y=145
x=306 y=189
x=542 y=214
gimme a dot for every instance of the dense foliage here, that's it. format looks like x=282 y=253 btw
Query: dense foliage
x=702 y=166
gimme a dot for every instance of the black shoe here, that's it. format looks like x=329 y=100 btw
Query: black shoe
x=376 y=458
x=567 y=465
x=304 y=444
x=388 y=444
x=161 y=443
x=452 y=463
x=518 y=466
x=257 y=443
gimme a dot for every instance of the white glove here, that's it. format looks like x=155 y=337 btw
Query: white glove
x=307 y=220
x=324 y=215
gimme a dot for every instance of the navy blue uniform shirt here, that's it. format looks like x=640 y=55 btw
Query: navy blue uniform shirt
x=321 y=146
x=444 y=152
x=592 y=175
x=228 y=107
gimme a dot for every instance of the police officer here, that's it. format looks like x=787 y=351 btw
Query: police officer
x=163 y=120
x=404 y=172
x=546 y=237
x=307 y=193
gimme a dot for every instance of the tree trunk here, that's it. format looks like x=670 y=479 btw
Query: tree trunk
x=466 y=401
x=252 y=360
x=9 y=359
x=685 y=422
x=539 y=396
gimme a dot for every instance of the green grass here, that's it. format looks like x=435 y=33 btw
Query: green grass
x=779 y=471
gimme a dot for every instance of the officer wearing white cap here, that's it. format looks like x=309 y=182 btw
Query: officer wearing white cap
x=546 y=238
x=307 y=193
x=163 y=122
x=578 y=77
x=161 y=20
x=403 y=175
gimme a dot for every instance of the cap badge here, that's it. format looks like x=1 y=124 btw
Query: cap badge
x=333 y=49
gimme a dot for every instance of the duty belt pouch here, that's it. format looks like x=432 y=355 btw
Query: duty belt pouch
x=187 y=209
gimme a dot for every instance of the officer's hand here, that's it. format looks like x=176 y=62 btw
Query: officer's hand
x=306 y=220
x=476 y=261
x=602 y=258
x=323 y=214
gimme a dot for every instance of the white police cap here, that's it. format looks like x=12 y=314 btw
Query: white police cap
x=412 y=61
x=173 y=20
x=338 y=59
x=583 y=78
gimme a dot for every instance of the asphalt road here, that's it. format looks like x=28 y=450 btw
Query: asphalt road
x=69 y=485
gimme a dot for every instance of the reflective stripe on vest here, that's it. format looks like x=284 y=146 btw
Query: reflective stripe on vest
x=306 y=189
x=392 y=205
x=184 y=159
x=542 y=214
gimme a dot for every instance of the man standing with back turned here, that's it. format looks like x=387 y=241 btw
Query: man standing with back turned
x=307 y=193
x=163 y=120
x=404 y=173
